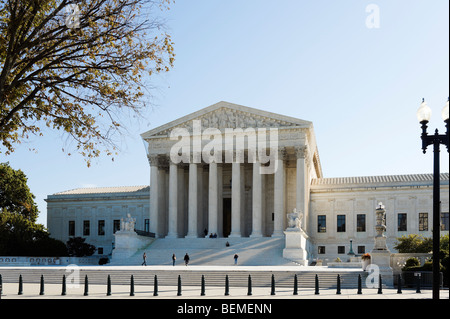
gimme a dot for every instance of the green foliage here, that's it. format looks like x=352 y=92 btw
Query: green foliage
x=418 y=244
x=15 y=195
x=427 y=266
x=78 y=67
x=412 y=262
x=19 y=233
x=21 y=237
x=444 y=245
x=77 y=247
x=414 y=243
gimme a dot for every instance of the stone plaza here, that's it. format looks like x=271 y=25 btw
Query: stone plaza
x=191 y=286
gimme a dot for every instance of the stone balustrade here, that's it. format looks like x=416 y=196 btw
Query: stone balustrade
x=47 y=261
x=398 y=260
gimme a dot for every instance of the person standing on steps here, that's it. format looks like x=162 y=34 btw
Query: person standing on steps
x=174 y=258
x=235 y=258
x=144 y=257
x=186 y=259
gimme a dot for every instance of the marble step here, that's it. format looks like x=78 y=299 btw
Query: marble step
x=145 y=276
x=212 y=251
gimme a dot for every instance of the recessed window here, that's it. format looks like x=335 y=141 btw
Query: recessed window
x=361 y=222
x=147 y=225
x=116 y=225
x=444 y=221
x=423 y=221
x=340 y=223
x=101 y=228
x=86 y=228
x=71 y=228
x=401 y=224
x=321 y=223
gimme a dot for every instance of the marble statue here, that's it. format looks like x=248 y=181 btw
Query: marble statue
x=295 y=219
x=127 y=224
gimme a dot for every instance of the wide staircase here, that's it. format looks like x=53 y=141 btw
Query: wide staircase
x=189 y=276
x=211 y=257
x=263 y=251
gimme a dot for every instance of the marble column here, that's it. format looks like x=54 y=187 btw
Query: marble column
x=182 y=201
x=193 y=201
x=301 y=153
x=213 y=199
x=257 y=201
x=173 y=201
x=154 y=196
x=163 y=183
x=235 y=200
x=278 y=201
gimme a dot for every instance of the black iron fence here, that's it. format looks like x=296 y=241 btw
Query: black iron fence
x=425 y=278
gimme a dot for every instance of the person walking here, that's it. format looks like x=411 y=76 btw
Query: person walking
x=174 y=258
x=186 y=259
x=235 y=258
x=144 y=257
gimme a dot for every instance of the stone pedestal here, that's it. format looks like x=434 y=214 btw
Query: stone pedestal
x=382 y=259
x=127 y=243
x=380 y=254
x=295 y=248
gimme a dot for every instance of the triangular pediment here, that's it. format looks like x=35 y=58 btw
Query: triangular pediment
x=228 y=115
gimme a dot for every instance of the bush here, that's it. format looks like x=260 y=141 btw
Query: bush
x=22 y=237
x=103 y=261
x=414 y=243
x=46 y=247
x=418 y=244
x=412 y=262
x=428 y=266
x=78 y=248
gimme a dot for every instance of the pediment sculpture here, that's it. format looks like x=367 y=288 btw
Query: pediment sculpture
x=227 y=118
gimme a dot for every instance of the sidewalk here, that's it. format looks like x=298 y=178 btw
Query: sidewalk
x=53 y=291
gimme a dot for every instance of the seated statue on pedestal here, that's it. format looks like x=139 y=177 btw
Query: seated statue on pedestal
x=295 y=239
x=127 y=224
x=295 y=219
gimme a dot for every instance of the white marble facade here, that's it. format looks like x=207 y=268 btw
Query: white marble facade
x=225 y=196
x=409 y=206
x=216 y=186
x=96 y=213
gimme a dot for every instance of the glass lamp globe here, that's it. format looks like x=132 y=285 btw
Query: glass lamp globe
x=424 y=112
x=445 y=112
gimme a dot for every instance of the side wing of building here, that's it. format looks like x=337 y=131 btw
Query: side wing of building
x=343 y=210
x=95 y=213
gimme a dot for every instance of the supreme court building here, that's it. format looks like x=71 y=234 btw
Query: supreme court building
x=236 y=172
x=212 y=189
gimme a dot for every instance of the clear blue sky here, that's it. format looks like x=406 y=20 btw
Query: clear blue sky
x=311 y=59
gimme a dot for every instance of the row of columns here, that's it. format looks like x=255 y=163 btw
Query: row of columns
x=236 y=197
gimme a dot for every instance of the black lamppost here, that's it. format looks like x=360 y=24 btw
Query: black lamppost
x=424 y=115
